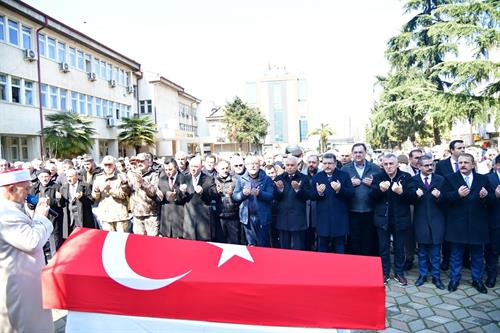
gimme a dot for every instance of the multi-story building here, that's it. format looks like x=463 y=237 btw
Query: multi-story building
x=47 y=67
x=174 y=112
x=282 y=99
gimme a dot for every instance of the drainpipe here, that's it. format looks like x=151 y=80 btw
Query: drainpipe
x=40 y=110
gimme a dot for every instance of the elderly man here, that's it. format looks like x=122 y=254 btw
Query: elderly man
x=145 y=197
x=291 y=193
x=237 y=165
x=182 y=162
x=254 y=191
x=21 y=257
x=392 y=191
x=4 y=165
x=468 y=195
x=110 y=191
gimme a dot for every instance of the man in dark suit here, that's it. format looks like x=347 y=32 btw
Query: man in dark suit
x=428 y=221
x=468 y=196
x=493 y=248
x=362 y=238
x=200 y=191
x=444 y=168
x=76 y=202
x=172 y=206
x=291 y=193
x=333 y=191
x=392 y=191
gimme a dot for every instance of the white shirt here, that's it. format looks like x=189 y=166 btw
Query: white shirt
x=429 y=178
x=453 y=163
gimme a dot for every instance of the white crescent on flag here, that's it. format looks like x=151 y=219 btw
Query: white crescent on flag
x=116 y=265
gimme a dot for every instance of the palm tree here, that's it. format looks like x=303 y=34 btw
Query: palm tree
x=69 y=135
x=324 y=131
x=136 y=132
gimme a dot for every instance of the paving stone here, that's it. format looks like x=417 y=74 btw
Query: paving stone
x=418 y=300
x=467 y=325
x=489 y=296
x=440 y=328
x=394 y=294
x=448 y=307
x=471 y=291
x=404 y=317
x=427 y=288
x=496 y=302
x=398 y=289
x=392 y=311
x=443 y=313
x=483 y=307
x=411 y=290
x=416 y=325
x=393 y=330
x=408 y=311
x=467 y=302
x=479 y=314
x=491 y=328
x=477 y=321
x=453 y=327
x=431 y=324
x=415 y=306
x=423 y=295
x=402 y=299
x=451 y=301
x=426 y=331
x=439 y=319
x=476 y=329
x=495 y=315
x=434 y=300
x=399 y=325
x=456 y=295
x=441 y=292
x=460 y=313
x=426 y=312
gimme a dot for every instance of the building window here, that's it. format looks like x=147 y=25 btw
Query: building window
x=79 y=59
x=89 y=105
x=118 y=111
x=72 y=57
x=2 y=28
x=63 y=94
x=41 y=44
x=104 y=107
x=302 y=90
x=128 y=111
x=146 y=106
x=53 y=97
x=26 y=38
x=74 y=101
x=109 y=72
x=103 y=70
x=61 y=52
x=98 y=107
x=88 y=63
x=121 y=77
x=96 y=67
x=13 y=32
x=15 y=89
x=28 y=92
x=51 y=44
x=3 y=87
x=82 y=104
x=127 y=79
x=115 y=73
x=44 y=95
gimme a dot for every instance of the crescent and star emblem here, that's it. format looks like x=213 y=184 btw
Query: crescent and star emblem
x=116 y=265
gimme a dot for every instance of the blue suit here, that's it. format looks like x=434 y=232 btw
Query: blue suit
x=493 y=248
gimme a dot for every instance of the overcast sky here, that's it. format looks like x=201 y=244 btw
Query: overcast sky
x=213 y=47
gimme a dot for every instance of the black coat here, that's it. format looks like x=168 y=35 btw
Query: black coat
x=428 y=214
x=400 y=203
x=197 y=215
x=77 y=212
x=495 y=208
x=172 y=212
x=467 y=218
x=443 y=167
x=227 y=208
x=291 y=205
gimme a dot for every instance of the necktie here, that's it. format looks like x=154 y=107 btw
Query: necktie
x=426 y=182
x=171 y=182
x=467 y=181
x=456 y=167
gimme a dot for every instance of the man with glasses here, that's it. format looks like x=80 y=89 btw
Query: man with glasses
x=429 y=221
x=22 y=238
x=237 y=165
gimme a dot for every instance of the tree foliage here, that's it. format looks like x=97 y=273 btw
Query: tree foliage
x=243 y=123
x=69 y=134
x=440 y=72
x=137 y=132
x=324 y=131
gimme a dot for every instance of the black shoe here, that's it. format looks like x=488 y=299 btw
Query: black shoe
x=445 y=266
x=421 y=280
x=490 y=282
x=401 y=280
x=479 y=285
x=438 y=283
x=408 y=265
x=452 y=286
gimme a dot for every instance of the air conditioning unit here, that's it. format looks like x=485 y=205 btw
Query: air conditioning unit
x=112 y=83
x=130 y=89
x=92 y=76
x=29 y=55
x=64 y=67
x=110 y=122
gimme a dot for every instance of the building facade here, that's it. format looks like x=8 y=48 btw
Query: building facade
x=47 y=67
x=282 y=99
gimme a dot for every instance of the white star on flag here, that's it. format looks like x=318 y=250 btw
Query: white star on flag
x=231 y=250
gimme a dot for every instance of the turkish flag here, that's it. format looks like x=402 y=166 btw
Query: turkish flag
x=125 y=274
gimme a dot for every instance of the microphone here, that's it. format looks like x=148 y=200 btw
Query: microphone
x=32 y=201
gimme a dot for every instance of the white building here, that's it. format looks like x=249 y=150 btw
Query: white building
x=173 y=110
x=46 y=67
x=282 y=99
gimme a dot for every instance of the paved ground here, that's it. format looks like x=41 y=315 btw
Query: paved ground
x=425 y=308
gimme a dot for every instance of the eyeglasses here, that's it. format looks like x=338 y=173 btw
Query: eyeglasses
x=108 y=164
x=238 y=165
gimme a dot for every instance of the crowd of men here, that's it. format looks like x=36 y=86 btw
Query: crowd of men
x=442 y=212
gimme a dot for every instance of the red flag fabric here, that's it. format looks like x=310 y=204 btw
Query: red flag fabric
x=125 y=274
